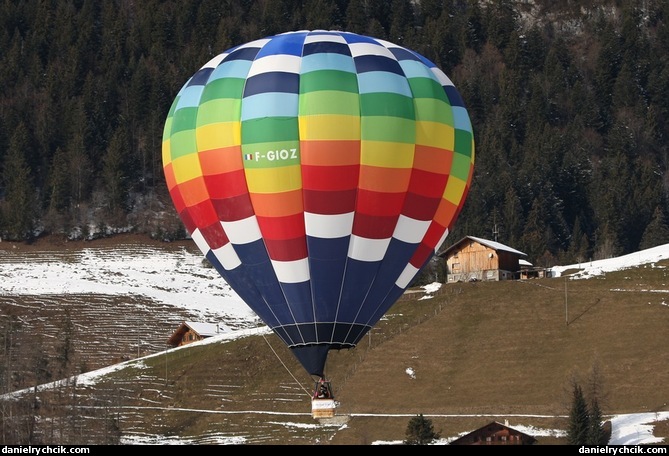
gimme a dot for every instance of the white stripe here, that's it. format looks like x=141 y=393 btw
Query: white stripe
x=282 y=62
x=410 y=230
x=359 y=49
x=407 y=276
x=242 y=231
x=200 y=242
x=319 y=38
x=292 y=271
x=328 y=226
x=364 y=249
x=227 y=256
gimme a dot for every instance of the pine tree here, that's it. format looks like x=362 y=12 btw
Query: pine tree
x=579 y=419
x=657 y=231
x=596 y=434
x=19 y=207
x=420 y=431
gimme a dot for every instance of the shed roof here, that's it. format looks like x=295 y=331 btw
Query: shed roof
x=203 y=329
x=488 y=243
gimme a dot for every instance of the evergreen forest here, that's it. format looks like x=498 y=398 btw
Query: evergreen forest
x=569 y=101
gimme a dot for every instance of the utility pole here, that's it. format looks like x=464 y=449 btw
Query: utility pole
x=566 y=306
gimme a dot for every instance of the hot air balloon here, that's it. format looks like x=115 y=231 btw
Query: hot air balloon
x=319 y=172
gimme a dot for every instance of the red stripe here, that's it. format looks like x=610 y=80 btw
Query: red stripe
x=374 y=226
x=319 y=202
x=278 y=228
x=214 y=235
x=420 y=207
x=330 y=177
x=427 y=183
x=380 y=203
x=226 y=185
x=234 y=208
x=287 y=249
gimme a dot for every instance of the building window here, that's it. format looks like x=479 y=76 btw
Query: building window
x=455 y=267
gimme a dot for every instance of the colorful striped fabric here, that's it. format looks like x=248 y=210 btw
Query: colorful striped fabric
x=318 y=171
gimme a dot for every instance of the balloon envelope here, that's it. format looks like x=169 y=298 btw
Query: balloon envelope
x=318 y=171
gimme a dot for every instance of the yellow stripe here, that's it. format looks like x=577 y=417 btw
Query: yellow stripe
x=218 y=135
x=387 y=154
x=274 y=180
x=435 y=134
x=186 y=168
x=329 y=127
x=454 y=190
x=167 y=153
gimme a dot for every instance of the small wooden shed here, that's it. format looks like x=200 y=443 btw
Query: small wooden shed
x=192 y=331
x=495 y=433
x=472 y=258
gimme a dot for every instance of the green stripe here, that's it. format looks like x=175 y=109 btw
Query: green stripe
x=328 y=80
x=427 y=88
x=386 y=104
x=392 y=129
x=182 y=143
x=433 y=110
x=270 y=129
x=329 y=102
x=219 y=110
x=223 y=88
x=464 y=143
x=460 y=167
x=184 y=119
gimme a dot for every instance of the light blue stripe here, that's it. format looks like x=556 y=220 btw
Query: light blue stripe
x=190 y=97
x=270 y=104
x=383 y=81
x=414 y=69
x=461 y=119
x=327 y=61
x=231 y=69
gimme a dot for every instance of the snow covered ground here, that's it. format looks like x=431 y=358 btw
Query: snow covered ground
x=180 y=279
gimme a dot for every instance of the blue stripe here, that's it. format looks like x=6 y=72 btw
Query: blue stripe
x=233 y=69
x=380 y=81
x=413 y=69
x=454 y=97
x=270 y=105
x=190 y=97
x=247 y=53
x=201 y=77
x=275 y=81
x=325 y=47
x=289 y=44
x=299 y=297
x=315 y=62
x=365 y=63
x=461 y=119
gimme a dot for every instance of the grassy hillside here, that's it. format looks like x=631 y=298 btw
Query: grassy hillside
x=474 y=353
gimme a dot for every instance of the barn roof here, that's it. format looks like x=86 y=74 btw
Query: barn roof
x=203 y=329
x=492 y=244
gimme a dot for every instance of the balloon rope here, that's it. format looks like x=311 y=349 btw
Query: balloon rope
x=286 y=367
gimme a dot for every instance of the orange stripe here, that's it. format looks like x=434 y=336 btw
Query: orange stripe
x=445 y=213
x=277 y=204
x=219 y=161
x=194 y=191
x=386 y=180
x=169 y=176
x=433 y=159
x=330 y=152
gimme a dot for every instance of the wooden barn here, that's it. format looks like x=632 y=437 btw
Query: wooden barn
x=495 y=433
x=192 y=331
x=472 y=258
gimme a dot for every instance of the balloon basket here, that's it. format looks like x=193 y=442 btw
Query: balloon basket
x=323 y=408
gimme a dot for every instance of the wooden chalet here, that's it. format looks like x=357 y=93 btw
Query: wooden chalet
x=495 y=433
x=475 y=259
x=192 y=331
